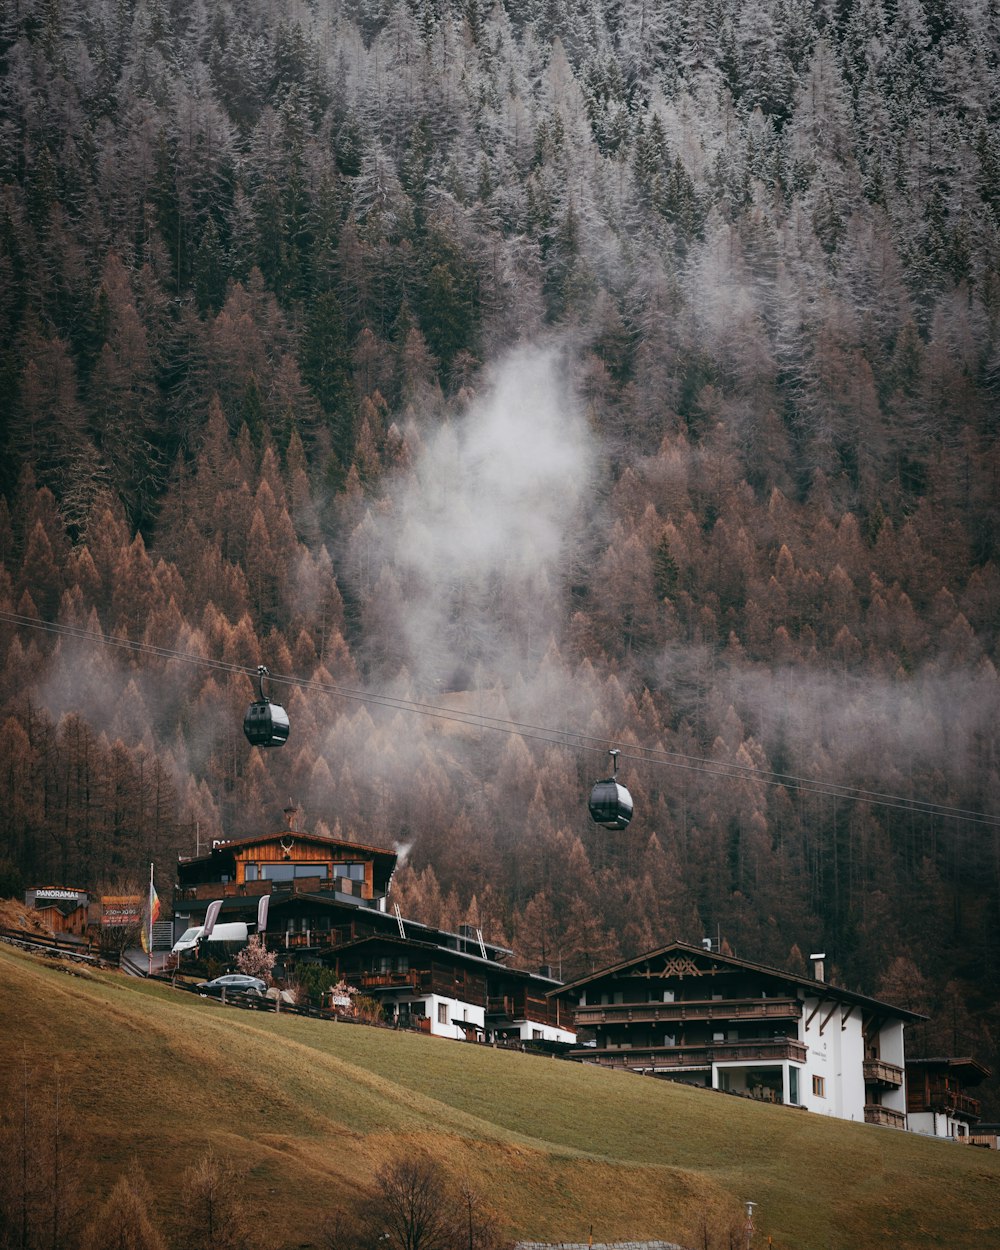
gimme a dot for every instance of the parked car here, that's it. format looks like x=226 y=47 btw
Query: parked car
x=233 y=983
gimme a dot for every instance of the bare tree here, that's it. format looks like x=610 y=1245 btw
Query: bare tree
x=123 y=1221
x=216 y=1212
x=40 y=1180
x=414 y=1205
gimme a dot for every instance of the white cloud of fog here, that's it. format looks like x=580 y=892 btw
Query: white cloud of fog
x=479 y=534
x=864 y=728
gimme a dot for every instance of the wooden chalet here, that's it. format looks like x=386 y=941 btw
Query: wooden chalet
x=327 y=902
x=453 y=985
x=289 y=860
x=937 y=1098
x=690 y=1013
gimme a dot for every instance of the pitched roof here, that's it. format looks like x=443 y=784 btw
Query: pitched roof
x=494 y=965
x=971 y=1070
x=821 y=989
x=231 y=844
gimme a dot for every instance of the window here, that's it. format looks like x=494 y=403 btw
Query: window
x=819 y=1086
x=311 y=870
x=793 y=1085
x=442 y=1013
x=536 y=1035
x=353 y=872
x=277 y=872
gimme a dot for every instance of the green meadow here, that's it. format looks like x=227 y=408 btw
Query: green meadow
x=309 y=1109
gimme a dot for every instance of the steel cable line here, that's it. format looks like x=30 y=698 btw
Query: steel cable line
x=568 y=738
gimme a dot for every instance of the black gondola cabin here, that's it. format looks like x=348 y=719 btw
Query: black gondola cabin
x=266 y=723
x=610 y=802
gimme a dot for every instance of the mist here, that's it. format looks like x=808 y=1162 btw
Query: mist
x=470 y=551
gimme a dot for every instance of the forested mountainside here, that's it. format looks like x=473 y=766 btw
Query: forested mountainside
x=621 y=368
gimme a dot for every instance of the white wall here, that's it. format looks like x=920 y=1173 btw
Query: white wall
x=890 y=1043
x=549 y=1032
x=933 y=1123
x=852 y=1064
x=837 y=1056
x=890 y=1048
x=455 y=1009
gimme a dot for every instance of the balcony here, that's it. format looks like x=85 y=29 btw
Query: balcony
x=339 y=888
x=946 y=1101
x=886 y=1075
x=412 y=980
x=507 y=1006
x=669 y=1013
x=875 y=1114
x=665 y=1058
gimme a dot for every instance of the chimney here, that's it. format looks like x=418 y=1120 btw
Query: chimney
x=817 y=963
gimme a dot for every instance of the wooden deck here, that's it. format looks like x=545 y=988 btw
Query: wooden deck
x=709 y=1009
x=665 y=1058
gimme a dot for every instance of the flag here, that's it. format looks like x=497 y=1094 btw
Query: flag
x=154 y=915
x=211 y=916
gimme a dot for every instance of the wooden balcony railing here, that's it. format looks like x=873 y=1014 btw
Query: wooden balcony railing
x=667 y=1057
x=878 y=1072
x=875 y=1114
x=206 y=891
x=948 y=1101
x=507 y=1005
x=413 y=980
x=716 y=1009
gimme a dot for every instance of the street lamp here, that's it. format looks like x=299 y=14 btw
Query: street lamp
x=749 y=1224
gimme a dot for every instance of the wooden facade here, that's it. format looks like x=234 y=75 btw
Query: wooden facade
x=327 y=904
x=254 y=866
x=937 y=1094
x=397 y=971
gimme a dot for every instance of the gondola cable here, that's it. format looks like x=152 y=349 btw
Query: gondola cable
x=570 y=739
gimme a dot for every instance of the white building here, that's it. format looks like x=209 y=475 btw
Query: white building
x=689 y=1013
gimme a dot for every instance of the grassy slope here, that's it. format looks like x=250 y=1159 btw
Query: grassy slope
x=311 y=1107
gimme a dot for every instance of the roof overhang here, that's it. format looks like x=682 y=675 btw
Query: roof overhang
x=712 y=962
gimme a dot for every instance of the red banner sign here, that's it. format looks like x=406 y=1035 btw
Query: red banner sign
x=118 y=910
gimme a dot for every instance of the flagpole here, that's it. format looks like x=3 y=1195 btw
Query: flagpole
x=149 y=945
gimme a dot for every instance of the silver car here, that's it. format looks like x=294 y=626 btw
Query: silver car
x=233 y=983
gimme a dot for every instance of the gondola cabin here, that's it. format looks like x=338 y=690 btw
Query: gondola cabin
x=610 y=802
x=266 y=723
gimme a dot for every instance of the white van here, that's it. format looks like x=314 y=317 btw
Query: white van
x=235 y=933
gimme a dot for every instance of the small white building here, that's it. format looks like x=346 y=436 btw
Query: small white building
x=692 y=1014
